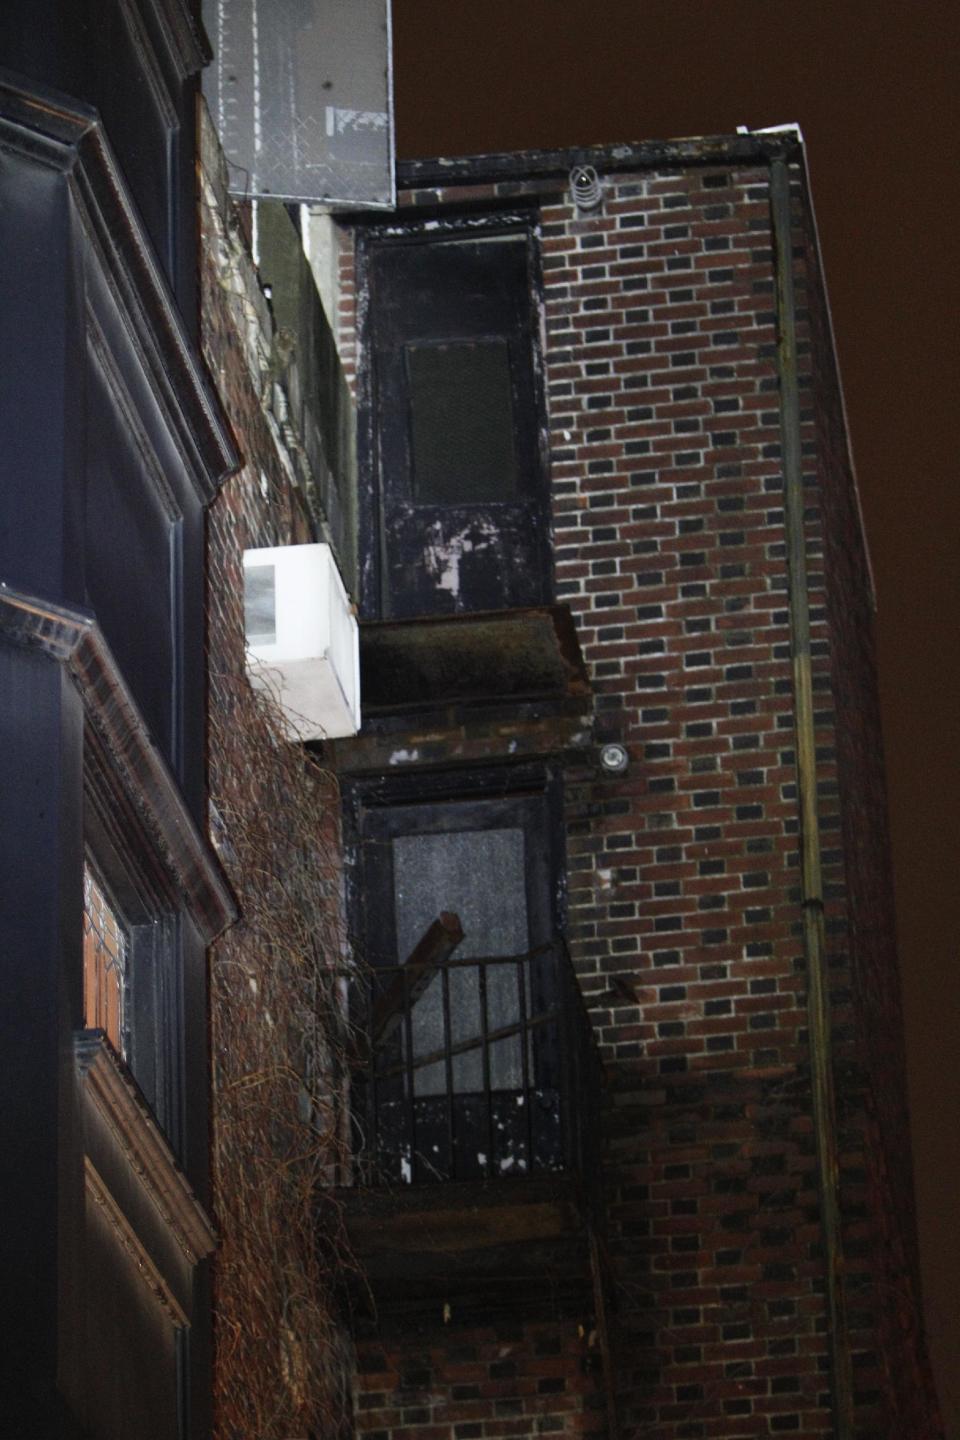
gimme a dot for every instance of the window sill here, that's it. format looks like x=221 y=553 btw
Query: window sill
x=108 y=1085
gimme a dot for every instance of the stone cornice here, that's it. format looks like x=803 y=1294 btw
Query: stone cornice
x=135 y=765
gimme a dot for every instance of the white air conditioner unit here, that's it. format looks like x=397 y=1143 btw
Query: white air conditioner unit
x=302 y=639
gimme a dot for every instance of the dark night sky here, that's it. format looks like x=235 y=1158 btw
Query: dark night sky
x=872 y=86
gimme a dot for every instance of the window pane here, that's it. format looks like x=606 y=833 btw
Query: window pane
x=478 y=874
x=260 y=604
x=461 y=421
x=105 y=948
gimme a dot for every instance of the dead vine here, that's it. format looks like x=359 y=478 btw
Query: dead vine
x=278 y=1030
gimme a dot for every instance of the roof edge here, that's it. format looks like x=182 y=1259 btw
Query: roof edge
x=744 y=148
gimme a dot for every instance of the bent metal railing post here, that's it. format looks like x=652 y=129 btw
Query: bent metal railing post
x=514 y=1093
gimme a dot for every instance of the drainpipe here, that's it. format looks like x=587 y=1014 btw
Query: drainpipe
x=818 y=1006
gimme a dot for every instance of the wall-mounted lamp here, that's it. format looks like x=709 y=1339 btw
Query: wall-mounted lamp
x=614 y=759
x=585 y=187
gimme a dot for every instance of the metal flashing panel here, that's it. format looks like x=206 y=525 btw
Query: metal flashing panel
x=500 y=656
x=301 y=95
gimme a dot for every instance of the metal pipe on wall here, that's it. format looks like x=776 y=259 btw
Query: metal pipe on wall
x=818 y=1006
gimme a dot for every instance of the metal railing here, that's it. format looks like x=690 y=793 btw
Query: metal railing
x=477 y=1068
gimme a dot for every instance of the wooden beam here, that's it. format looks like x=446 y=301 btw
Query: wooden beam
x=432 y=950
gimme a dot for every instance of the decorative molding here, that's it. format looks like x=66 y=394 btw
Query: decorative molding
x=129 y=1240
x=187 y=45
x=41 y=124
x=130 y=11
x=105 y=362
x=149 y=314
x=74 y=640
x=68 y=136
x=115 y=1094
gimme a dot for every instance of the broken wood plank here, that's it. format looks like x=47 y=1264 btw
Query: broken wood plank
x=432 y=950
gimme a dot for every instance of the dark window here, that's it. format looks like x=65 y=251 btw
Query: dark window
x=131 y=975
x=461 y=422
x=480 y=876
x=465 y=1076
x=456 y=519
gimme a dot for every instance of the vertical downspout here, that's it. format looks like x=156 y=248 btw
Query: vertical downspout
x=818 y=1010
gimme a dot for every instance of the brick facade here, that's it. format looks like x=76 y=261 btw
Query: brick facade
x=684 y=890
x=685 y=912
x=281 y=1356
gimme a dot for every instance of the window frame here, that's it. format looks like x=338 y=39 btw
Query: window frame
x=126 y=862
x=106 y=952
x=527 y=788
x=431 y=226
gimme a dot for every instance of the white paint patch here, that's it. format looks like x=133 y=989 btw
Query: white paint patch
x=403 y=757
x=442 y=556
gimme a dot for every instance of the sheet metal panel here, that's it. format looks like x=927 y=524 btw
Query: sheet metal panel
x=301 y=95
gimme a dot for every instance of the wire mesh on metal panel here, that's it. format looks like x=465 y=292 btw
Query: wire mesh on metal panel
x=300 y=92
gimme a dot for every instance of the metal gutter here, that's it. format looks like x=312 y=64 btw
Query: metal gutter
x=818 y=1007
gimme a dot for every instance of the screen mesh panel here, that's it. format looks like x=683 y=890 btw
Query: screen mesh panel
x=461 y=422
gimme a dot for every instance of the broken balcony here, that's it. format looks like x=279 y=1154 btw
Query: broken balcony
x=474 y=1112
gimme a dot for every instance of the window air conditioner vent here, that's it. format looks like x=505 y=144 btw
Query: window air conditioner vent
x=302 y=639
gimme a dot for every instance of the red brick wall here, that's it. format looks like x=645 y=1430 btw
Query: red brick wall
x=685 y=917
x=507 y=1381
x=282 y=1358
x=670 y=549
x=685 y=908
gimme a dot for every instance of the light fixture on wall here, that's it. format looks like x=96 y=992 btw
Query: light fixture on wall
x=614 y=758
x=585 y=187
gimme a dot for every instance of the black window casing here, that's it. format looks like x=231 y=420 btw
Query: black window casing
x=427 y=554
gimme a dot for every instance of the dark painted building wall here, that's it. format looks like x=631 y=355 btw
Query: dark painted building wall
x=112 y=448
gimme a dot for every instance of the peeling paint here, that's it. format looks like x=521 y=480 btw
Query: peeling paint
x=442 y=554
x=404 y=757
